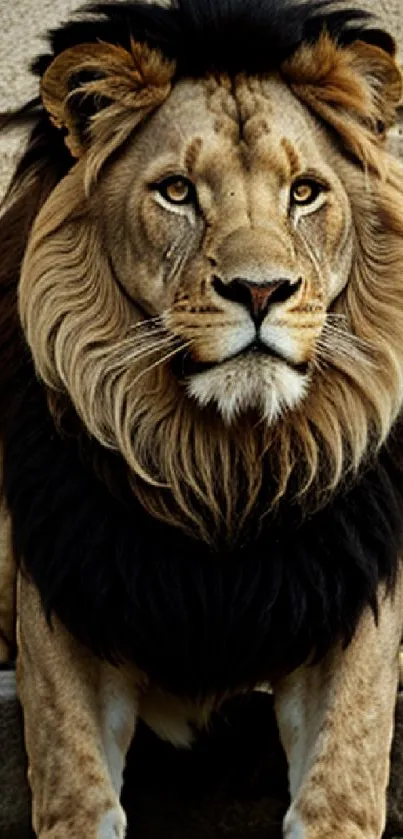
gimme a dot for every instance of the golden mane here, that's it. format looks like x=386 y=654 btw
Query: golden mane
x=188 y=467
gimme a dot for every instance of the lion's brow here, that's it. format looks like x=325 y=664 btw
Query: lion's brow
x=192 y=154
x=293 y=157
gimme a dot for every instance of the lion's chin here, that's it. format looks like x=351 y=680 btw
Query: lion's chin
x=268 y=386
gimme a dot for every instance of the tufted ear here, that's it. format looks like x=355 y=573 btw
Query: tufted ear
x=88 y=79
x=356 y=89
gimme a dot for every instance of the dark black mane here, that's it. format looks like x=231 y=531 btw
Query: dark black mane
x=224 y=35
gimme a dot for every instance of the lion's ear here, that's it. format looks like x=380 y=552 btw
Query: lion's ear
x=356 y=89
x=87 y=79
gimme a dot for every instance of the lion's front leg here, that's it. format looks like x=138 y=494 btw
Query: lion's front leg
x=336 y=724
x=79 y=719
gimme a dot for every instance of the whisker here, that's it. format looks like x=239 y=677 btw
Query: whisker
x=152 y=325
x=331 y=351
x=342 y=340
x=338 y=316
x=179 y=252
x=340 y=329
x=120 y=356
x=179 y=348
x=338 y=344
x=134 y=354
x=157 y=345
x=147 y=335
x=314 y=256
x=318 y=364
x=148 y=323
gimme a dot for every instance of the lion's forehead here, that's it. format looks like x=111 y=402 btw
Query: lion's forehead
x=256 y=122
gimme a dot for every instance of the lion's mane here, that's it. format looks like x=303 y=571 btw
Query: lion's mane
x=111 y=471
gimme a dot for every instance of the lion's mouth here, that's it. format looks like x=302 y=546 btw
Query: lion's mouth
x=185 y=366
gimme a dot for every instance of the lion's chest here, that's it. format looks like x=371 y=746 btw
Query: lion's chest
x=198 y=624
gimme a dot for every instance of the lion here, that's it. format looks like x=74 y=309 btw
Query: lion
x=201 y=378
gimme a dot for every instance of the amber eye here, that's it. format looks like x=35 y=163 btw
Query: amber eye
x=177 y=190
x=305 y=192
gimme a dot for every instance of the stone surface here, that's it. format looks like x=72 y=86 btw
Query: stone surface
x=22 y=26
x=14 y=798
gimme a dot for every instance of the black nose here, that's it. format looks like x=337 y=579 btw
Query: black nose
x=257 y=297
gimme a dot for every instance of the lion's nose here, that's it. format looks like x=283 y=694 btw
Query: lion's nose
x=257 y=297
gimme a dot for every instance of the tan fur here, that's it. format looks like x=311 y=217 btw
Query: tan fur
x=355 y=90
x=91 y=340
x=336 y=724
x=137 y=82
x=87 y=713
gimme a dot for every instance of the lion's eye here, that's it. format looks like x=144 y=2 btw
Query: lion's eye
x=177 y=190
x=305 y=192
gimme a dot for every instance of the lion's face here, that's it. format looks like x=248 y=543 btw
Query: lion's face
x=226 y=217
